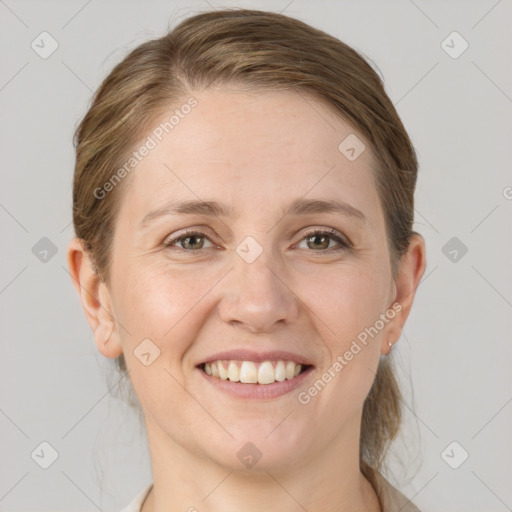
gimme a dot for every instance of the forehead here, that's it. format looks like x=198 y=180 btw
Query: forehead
x=245 y=148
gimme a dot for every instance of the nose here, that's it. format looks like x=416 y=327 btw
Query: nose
x=257 y=297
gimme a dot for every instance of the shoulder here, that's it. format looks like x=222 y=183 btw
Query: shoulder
x=391 y=499
x=136 y=503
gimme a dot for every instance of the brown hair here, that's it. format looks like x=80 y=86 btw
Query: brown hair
x=255 y=49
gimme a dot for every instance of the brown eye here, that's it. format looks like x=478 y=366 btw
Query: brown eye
x=319 y=240
x=189 y=241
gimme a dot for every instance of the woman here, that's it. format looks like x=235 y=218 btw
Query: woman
x=243 y=207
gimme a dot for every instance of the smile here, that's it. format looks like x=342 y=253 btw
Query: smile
x=250 y=372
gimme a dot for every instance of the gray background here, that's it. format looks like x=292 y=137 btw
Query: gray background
x=455 y=354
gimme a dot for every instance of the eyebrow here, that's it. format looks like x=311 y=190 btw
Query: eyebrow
x=215 y=209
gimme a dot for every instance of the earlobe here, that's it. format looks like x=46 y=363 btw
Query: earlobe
x=412 y=268
x=95 y=299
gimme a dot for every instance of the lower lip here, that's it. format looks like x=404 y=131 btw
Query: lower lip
x=258 y=391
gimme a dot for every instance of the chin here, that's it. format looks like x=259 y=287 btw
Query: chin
x=264 y=446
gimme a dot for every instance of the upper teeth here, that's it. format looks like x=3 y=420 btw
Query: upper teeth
x=250 y=372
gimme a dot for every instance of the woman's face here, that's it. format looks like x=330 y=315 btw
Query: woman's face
x=254 y=283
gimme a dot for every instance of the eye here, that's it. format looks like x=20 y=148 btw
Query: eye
x=188 y=240
x=320 y=238
x=193 y=241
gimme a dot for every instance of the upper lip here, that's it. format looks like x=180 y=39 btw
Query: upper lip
x=250 y=355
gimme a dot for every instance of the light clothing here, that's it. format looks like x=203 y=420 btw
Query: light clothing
x=136 y=503
x=391 y=499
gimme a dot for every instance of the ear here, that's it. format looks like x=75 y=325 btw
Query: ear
x=95 y=298
x=411 y=269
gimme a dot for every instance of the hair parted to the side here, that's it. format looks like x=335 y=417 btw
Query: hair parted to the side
x=256 y=50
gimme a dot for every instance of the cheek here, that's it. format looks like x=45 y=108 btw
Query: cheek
x=158 y=303
x=156 y=290
x=347 y=304
x=346 y=300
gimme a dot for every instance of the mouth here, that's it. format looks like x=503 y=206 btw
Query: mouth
x=254 y=372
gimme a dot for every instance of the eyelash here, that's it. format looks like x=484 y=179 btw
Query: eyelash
x=345 y=244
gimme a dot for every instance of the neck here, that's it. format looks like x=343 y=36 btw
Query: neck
x=330 y=481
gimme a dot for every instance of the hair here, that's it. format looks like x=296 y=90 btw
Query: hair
x=259 y=51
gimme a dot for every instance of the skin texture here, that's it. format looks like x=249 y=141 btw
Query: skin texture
x=256 y=152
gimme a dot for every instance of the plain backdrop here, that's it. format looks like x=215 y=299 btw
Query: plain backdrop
x=454 y=357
